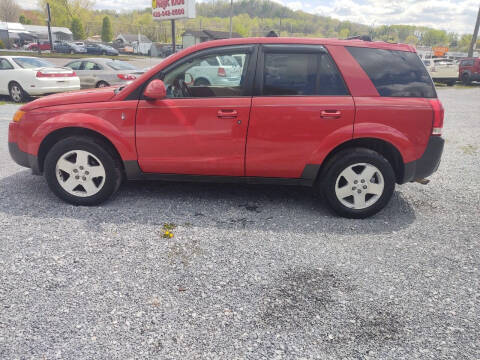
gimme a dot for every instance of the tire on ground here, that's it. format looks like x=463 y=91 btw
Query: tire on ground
x=98 y=148
x=326 y=184
x=23 y=96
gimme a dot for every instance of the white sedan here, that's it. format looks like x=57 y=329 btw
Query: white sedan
x=23 y=76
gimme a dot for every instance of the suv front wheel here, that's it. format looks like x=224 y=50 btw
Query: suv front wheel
x=82 y=171
x=357 y=183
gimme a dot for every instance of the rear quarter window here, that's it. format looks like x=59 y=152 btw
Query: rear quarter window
x=395 y=73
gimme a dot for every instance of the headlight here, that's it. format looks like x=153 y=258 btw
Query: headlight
x=18 y=116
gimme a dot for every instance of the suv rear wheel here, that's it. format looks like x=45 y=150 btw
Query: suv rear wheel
x=357 y=183
x=82 y=171
x=466 y=80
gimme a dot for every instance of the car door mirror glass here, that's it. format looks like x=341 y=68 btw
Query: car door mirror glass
x=155 y=90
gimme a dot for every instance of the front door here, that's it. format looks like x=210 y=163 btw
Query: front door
x=201 y=127
x=302 y=104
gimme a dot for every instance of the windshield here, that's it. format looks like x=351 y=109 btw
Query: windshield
x=120 y=65
x=31 y=63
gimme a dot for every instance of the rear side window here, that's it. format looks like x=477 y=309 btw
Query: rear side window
x=303 y=74
x=395 y=73
x=467 y=63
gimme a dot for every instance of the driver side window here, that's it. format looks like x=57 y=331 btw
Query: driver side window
x=214 y=75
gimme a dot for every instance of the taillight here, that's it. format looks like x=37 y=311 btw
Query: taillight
x=41 y=74
x=438 y=115
x=126 y=76
x=221 y=72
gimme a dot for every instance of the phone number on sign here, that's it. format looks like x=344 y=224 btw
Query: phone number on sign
x=173 y=12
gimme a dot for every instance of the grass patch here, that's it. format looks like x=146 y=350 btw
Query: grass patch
x=7 y=103
x=64 y=56
x=456 y=86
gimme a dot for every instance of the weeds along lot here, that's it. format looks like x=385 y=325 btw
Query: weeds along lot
x=249 y=272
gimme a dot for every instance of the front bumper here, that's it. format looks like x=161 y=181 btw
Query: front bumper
x=428 y=162
x=23 y=159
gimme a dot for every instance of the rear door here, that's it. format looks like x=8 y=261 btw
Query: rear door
x=301 y=103
x=90 y=73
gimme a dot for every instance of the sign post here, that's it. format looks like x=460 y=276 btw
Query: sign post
x=173 y=10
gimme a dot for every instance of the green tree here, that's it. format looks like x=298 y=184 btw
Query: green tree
x=107 y=32
x=434 y=37
x=412 y=40
x=77 y=29
x=343 y=34
x=22 y=19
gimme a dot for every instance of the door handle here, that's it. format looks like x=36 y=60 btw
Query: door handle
x=330 y=114
x=227 y=114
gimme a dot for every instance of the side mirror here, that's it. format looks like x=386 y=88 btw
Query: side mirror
x=155 y=90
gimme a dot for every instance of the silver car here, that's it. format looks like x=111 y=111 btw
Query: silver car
x=101 y=72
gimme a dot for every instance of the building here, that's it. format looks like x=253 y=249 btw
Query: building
x=194 y=37
x=58 y=33
x=13 y=34
x=140 y=43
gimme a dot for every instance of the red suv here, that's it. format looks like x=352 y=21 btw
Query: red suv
x=469 y=70
x=349 y=118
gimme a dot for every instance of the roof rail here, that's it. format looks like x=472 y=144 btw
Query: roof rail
x=360 y=37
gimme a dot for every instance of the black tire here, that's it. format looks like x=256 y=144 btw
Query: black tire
x=102 y=84
x=341 y=161
x=101 y=150
x=466 y=79
x=17 y=94
x=451 y=83
x=201 y=82
x=104 y=53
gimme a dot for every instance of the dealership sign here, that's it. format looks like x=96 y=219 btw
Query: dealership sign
x=173 y=9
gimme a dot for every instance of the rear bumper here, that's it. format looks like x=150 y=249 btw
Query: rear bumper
x=23 y=159
x=428 y=163
x=53 y=89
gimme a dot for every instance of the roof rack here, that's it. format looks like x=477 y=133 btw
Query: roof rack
x=360 y=37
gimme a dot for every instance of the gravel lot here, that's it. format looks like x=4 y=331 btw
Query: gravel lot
x=252 y=272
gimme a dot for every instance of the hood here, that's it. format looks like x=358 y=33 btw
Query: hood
x=73 y=97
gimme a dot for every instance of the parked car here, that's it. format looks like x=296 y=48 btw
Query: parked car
x=442 y=70
x=22 y=76
x=469 y=70
x=44 y=45
x=218 y=70
x=167 y=50
x=100 y=49
x=102 y=72
x=290 y=120
x=69 y=48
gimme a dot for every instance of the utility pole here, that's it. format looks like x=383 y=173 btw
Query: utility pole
x=231 y=14
x=49 y=20
x=475 y=35
x=173 y=37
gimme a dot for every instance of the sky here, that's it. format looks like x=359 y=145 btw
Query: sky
x=451 y=15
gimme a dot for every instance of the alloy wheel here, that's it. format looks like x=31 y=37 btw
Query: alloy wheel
x=80 y=173
x=359 y=186
x=16 y=93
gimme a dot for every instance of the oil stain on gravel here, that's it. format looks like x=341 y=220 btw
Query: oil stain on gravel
x=326 y=301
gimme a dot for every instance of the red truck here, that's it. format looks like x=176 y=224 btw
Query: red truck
x=469 y=70
x=349 y=118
